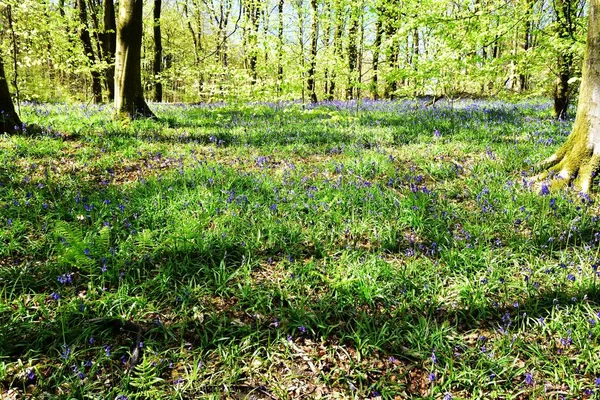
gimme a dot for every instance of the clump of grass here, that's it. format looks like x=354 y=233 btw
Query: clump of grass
x=379 y=249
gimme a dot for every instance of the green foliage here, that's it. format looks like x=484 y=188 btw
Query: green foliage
x=262 y=249
x=455 y=49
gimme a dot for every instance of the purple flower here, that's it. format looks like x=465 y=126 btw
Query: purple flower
x=65 y=352
x=107 y=350
x=544 y=191
x=30 y=375
x=448 y=396
x=302 y=329
x=571 y=277
x=434 y=358
x=65 y=279
x=54 y=296
x=528 y=378
x=432 y=377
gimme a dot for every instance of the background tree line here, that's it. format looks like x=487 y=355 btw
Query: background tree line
x=198 y=50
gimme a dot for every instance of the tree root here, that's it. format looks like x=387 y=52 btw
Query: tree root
x=572 y=164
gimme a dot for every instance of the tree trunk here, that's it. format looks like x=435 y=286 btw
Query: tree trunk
x=312 y=66
x=129 y=94
x=253 y=14
x=392 y=58
x=109 y=46
x=578 y=159
x=352 y=54
x=9 y=120
x=157 y=64
x=280 y=48
x=526 y=43
x=565 y=13
x=84 y=35
x=337 y=47
x=561 y=91
x=376 y=46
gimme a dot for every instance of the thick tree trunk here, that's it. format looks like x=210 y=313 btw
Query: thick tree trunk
x=337 y=47
x=312 y=66
x=84 y=35
x=129 y=94
x=9 y=120
x=109 y=46
x=579 y=158
x=157 y=64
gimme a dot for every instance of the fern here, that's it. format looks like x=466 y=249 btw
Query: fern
x=145 y=375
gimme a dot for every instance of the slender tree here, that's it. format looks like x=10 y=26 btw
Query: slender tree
x=392 y=52
x=157 y=64
x=312 y=61
x=578 y=160
x=526 y=42
x=109 y=45
x=352 y=53
x=129 y=94
x=280 y=4
x=339 y=18
x=253 y=9
x=565 y=29
x=86 y=40
x=9 y=119
x=376 y=49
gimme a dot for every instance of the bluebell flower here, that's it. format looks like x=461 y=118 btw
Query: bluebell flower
x=528 y=378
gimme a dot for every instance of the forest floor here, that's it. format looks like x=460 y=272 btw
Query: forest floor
x=273 y=252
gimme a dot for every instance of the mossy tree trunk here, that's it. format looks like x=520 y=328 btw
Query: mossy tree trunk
x=9 y=120
x=578 y=159
x=129 y=94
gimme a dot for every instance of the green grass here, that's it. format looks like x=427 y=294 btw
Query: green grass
x=268 y=251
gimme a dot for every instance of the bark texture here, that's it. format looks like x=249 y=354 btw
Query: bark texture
x=9 y=120
x=578 y=159
x=129 y=94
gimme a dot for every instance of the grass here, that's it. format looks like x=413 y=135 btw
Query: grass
x=270 y=251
